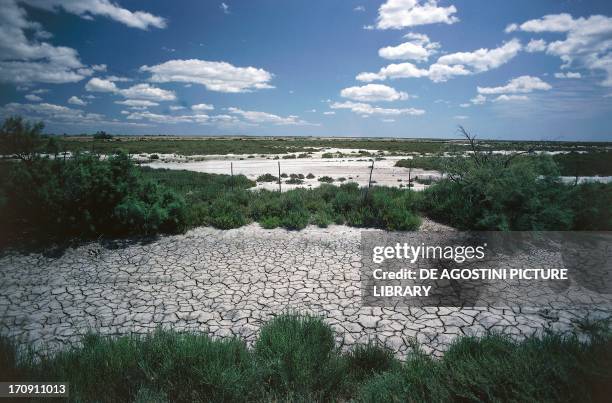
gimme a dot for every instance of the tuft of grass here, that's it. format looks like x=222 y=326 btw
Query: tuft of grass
x=366 y=360
x=297 y=356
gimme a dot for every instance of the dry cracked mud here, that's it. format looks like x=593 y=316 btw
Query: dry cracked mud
x=228 y=283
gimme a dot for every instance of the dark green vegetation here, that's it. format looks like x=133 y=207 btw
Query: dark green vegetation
x=524 y=194
x=516 y=192
x=59 y=199
x=83 y=198
x=597 y=163
x=240 y=145
x=267 y=178
x=427 y=163
x=217 y=201
x=589 y=164
x=295 y=358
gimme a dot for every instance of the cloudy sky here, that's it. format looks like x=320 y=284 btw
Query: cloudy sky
x=517 y=69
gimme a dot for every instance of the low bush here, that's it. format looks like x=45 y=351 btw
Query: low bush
x=326 y=179
x=322 y=218
x=526 y=195
x=84 y=197
x=298 y=357
x=294 y=181
x=421 y=162
x=310 y=176
x=267 y=178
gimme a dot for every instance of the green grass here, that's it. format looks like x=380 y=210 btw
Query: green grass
x=295 y=358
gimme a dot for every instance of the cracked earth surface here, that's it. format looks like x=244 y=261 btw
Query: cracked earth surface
x=228 y=283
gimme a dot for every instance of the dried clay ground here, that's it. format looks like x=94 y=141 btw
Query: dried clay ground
x=228 y=283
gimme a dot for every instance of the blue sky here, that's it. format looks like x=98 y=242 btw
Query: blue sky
x=519 y=69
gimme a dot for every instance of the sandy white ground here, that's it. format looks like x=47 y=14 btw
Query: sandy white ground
x=353 y=169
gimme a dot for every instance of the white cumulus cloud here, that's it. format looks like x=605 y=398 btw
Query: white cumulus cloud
x=568 y=74
x=372 y=93
x=74 y=100
x=483 y=59
x=105 y=8
x=137 y=103
x=215 y=76
x=418 y=48
x=396 y=14
x=24 y=59
x=519 y=85
x=138 y=91
x=33 y=98
x=536 y=45
x=202 y=107
x=450 y=65
x=587 y=42
x=506 y=98
x=264 y=117
x=367 y=109
x=99 y=85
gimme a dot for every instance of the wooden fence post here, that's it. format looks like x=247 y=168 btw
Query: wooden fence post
x=369 y=180
x=279 y=178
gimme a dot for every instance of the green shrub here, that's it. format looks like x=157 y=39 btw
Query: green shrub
x=267 y=178
x=310 y=176
x=326 y=179
x=85 y=197
x=226 y=214
x=295 y=219
x=297 y=356
x=493 y=196
x=591 y=204
x=322 y=218
x=294 y=181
